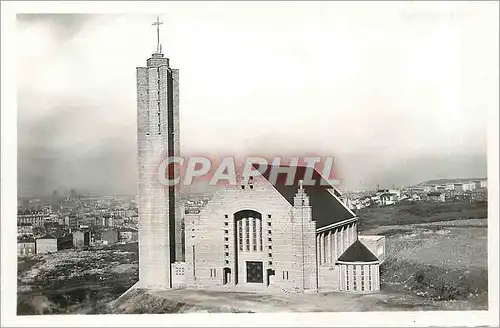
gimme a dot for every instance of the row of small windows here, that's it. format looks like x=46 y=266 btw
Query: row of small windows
x=285 y=275
x=226 y=240
x=351 y=269
x=213 y=273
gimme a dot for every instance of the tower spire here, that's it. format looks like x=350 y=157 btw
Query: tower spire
x=158 y=23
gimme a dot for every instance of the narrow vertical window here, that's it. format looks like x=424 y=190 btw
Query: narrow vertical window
x=260 y=234
x=254 y=234
x=370 y=287
x=240 y=235
x=247 y=233
x=347 y=277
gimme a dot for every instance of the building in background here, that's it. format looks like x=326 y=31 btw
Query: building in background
x=388 y=198
x=26 y=247
x=24 y=229
x=128 y=234
x=46 y=244
x=81 y=238
x=110 y=237
x=33 y=217
x=468 y=186
x=436 y=196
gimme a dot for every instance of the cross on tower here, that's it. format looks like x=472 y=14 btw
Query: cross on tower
x=158 y=23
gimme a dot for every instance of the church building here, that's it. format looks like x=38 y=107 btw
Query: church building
x=270 y=236
x=261 y=234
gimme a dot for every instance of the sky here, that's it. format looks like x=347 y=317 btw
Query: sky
x=399 y=93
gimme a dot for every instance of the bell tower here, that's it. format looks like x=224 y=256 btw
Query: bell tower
x=160 y=240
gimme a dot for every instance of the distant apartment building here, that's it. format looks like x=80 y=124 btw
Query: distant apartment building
x=81 y=238
x=25 y=229
x=110 y=237
x=46 y=244
x=107 y=221
x=388 y=199
x=26 y=247
x=467 y=186
x=480 y=184
x=436 y=197
x=450 y=186
x=440 y=188
x=128 y=234
x=71 y=222
x=35 y=218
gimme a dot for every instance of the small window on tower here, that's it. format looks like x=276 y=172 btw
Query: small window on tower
x=242 y=187
x=269 y=216
x=251 y=186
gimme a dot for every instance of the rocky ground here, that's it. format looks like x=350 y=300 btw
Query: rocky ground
x=72 y=281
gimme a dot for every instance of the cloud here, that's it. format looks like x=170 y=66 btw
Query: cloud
x=388 y=84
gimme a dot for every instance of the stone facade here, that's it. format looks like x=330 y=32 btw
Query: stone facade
x=251 y=238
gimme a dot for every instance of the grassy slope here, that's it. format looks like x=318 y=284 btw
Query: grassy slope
x=419 y=212
x=437 y=251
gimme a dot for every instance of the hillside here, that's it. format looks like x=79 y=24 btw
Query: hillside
x=445 y=181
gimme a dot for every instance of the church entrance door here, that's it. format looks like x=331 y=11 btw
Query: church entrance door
x=255 y=272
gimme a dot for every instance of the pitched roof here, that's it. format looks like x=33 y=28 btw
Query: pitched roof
x=127 y=229
x=48 y=236
x=357 y=252
x=25 y=240
x=326 y=209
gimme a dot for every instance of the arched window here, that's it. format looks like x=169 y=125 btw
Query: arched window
x=249 y=223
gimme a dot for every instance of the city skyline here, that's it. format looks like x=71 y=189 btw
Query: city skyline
x=257 y=83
